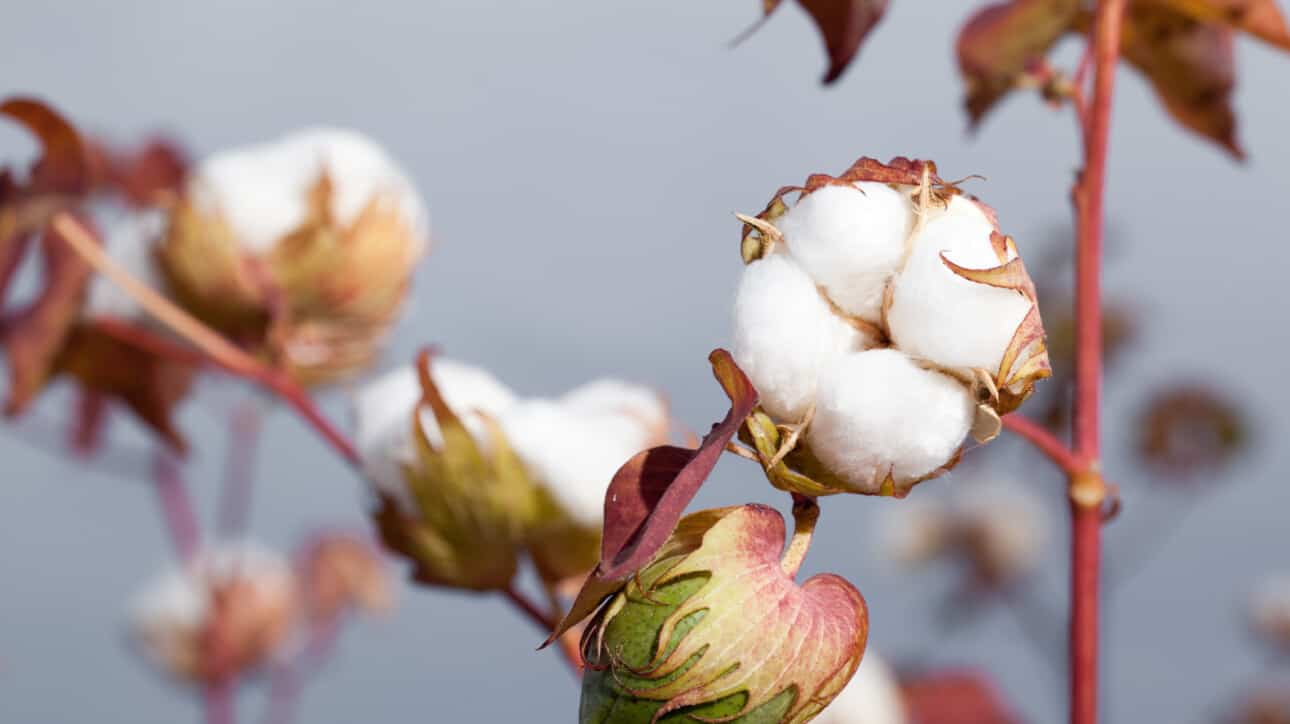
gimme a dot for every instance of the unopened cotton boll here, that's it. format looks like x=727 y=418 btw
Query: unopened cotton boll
x=851 y=240
x=878 y=413
x=574 y=446
x=938 y=315
x=871 y=697
x=383 y=415
x=785 y=333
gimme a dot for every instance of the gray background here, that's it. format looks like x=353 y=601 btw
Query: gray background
x=581 y=160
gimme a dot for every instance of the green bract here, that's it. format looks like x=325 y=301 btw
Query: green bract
x=716 y=628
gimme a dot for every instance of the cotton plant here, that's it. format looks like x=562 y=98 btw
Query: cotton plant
x=469 y=476
x=302 y=247
x=873 y=696
x=227 y=611
x=883 y=318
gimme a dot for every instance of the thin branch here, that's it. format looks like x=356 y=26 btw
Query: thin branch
x=218 y=702
x=1043 y=440
x=239 y=470
x=1087 y=491
x=547 y=623
x=223 y=353
x=176 y=505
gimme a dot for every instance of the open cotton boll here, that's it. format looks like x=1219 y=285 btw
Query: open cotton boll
x=129 y=240
x=262 y=191
x=938 y=315
x=574 y=454
x=383 y=412
x=851 y=240
x=871 y=697
x=785 y=334
x=609 y=396
x=878 y=411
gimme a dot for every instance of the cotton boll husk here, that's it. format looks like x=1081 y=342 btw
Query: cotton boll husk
x=879 y=412
x=129 y=241
x=382 y=411
x=262 y=190
x=850 y=240
x=871 y=697
x=939 y=316
x=785 y=333
x=574 y=454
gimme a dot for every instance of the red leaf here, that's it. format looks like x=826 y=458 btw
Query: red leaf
x=1001 y=42
x=144 y=176
x=1191 y=66
x=649 y=493
x=1260 y=18
x=843 y=24
x=34 y=337
x=64 y=166
x=962 y=696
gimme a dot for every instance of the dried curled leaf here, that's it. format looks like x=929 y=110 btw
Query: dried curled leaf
x=1002 y=42
x=649 y=493
x=1189 y=430
x=1191 y=65
x=64 y=164
x=717 y=628
x=843 y=25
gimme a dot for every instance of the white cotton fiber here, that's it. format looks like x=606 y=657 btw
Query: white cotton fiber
x=785 y=334
x=850 y=240
x=940 y=316
x=262 y=191
x=871 y=697
x=129 y=241
x=383 y=415
x=878 y=411
x=575 y=445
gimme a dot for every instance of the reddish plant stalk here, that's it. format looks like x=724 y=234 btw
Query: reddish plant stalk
x=218 y=702
x=1087 y=490
x=176 y=506
x=239 y=471
x=1043 y=440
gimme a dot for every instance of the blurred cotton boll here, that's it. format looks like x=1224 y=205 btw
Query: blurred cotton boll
x=1270 y=611
x=851 y=240
x=940 y=316
x=303 y=247
x=340 y=572
x=872 y=697
x=786 y=334
x=882 y=416
x=383 y=414
x=227 y=612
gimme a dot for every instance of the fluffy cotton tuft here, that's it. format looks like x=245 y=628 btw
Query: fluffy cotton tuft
x=878 y=411
x=383 y=415
x=939 y=316
x=129 y=240
x=851 y=240
x=262 y=191
x=573 y=446
x=785 y=334
x=871 y=697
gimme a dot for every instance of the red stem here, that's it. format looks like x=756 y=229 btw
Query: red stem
x=1087 y=491
x=1036 y=435
x=176 y=506
x=218 y=702
x=239 y=471
x=547 y=623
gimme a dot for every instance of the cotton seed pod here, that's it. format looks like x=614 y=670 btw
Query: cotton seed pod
x=227 y=612
x=716 y=629
x=572 y=447
x=460 y=507
x=785 y=335
x=340 y=572
x=302 y=248
x=872 y=697
x=945 y=333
